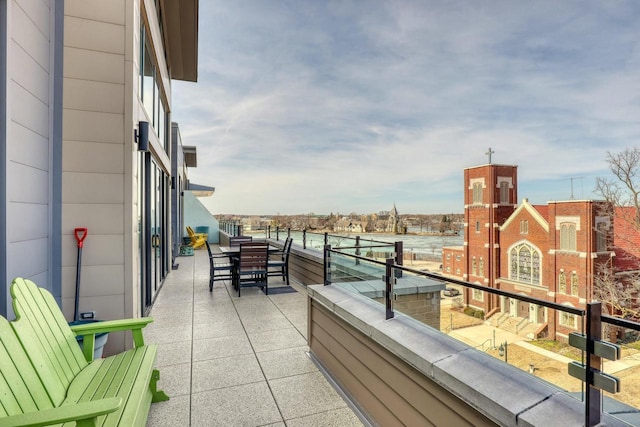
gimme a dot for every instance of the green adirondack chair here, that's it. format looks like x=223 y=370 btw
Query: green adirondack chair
x=44 y=354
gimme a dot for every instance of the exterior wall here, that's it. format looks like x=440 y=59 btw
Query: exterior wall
x=454 y=262
x=30 y=50
x=482 y=220
x=96 y=165
x=102 y=177
x=196 y=215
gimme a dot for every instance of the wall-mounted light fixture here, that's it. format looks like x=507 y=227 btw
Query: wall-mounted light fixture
x=141 y=136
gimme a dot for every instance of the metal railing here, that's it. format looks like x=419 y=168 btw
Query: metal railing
x=590 y=341
x=233 y=228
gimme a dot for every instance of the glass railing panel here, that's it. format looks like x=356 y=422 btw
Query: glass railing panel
x=626 y=370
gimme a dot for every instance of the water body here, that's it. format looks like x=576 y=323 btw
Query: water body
x=424 y=245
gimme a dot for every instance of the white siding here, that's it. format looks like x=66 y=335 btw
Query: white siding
x=28 y=139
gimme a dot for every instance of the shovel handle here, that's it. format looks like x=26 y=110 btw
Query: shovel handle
x=81 y=233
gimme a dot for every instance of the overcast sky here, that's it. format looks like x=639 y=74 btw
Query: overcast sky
x=352 y=106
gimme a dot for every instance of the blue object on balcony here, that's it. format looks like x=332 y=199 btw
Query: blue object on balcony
x=202 y=229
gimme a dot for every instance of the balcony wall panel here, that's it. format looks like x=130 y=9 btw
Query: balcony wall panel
x=389 y=391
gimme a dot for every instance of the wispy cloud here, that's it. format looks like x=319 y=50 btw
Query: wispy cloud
x=308 y=106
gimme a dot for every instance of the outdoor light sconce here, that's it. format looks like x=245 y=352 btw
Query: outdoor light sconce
x=141 y=136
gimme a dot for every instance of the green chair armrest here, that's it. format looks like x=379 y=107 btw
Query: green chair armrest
x=89 y=330
x=111 y=326
x=83 y=413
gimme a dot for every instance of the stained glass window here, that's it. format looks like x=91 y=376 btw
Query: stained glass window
x=525 y=264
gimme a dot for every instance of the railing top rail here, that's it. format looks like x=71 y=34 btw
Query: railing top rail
x=347 y=237
x=388 y=245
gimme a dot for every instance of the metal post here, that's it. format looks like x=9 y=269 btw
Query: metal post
x=289 y=232
x=268 y=231
x=593 y=397
x=304 y=239
x=326 y=238
x=357 y=249
x=327 y=265
x=398 y=260
x=388 y=294
x=239 y=229
x=277 y=232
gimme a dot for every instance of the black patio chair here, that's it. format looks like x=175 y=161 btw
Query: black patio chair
x=281 y=267
x=251 y=266
x=220 y=267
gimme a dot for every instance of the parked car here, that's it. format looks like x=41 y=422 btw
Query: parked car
x=451 y=292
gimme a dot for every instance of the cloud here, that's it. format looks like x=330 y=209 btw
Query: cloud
x=352 y=106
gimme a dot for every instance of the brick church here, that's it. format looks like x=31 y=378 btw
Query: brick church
x=551 y=252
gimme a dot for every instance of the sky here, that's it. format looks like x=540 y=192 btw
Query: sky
x=351 y=106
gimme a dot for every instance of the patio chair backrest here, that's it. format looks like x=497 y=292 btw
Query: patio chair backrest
x=236 y=240
x=253 y=256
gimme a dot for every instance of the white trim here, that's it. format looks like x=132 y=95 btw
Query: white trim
x=532 y=211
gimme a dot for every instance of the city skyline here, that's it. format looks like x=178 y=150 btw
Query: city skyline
x=325 y=107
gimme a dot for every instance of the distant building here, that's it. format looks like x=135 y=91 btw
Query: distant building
x=551 y=252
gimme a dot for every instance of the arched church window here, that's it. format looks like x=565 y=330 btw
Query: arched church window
x=524 y=262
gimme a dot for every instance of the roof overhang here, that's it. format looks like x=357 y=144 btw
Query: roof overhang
x=190 y=156
x=200 y=190
x=181 y=34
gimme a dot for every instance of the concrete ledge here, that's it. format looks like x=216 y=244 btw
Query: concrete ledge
x=501 y=392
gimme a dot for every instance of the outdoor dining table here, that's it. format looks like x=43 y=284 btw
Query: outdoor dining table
x=234 y=251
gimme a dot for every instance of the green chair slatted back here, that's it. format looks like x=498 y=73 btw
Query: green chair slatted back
x=45 y=334
x=20 y=387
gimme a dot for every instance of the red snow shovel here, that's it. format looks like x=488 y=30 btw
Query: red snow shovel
x=80 y=233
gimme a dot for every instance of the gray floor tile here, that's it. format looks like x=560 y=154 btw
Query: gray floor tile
x=161 y=335
x=226 y=372
x=306 y=394
x=229 y=327
x=174 y=353
x=215 y=348
x=266 y=323
x=285 y=363
x=244 y=405
x=276 y=340
x=334 y=418
x=175 y=380
x=174 y=412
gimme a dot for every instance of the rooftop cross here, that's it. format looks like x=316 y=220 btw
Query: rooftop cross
x=489 y=153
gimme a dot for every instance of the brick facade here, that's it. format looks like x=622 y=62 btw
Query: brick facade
x=550 y=252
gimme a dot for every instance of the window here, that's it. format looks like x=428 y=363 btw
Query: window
x=524 y=226
x=567 y=319
x=481 y=267
x=477 y=226
x=568 y=236
x=458 y=258
x=601 y=236
x=574 y=283
x=458 y=271
x=477 y=193
x=562 y=283
x=474 y=266
x=448 y=257
x=525 y=264
x=150 y=90
x=504 y=192
x=478 y=295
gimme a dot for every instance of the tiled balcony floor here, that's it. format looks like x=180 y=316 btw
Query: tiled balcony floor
x=229 y=361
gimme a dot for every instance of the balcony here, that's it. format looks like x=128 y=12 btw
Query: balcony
x=260 y=360
x=229 y=361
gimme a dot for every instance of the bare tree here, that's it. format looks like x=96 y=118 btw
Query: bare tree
x=624 y=191
x=617 y=281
